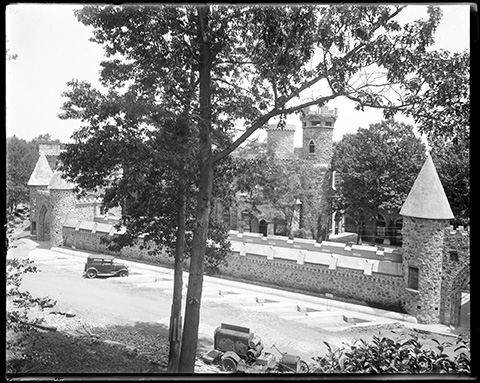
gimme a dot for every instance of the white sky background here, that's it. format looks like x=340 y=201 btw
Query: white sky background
x=53 y=48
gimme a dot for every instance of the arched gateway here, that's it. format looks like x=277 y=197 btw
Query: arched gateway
x=43 y=227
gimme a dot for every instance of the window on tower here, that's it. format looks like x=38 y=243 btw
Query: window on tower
x=413 y=278
x=311 y=147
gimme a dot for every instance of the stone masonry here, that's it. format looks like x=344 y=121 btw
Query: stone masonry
x=423 y=242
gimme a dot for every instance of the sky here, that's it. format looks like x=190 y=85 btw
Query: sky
x=53 y=48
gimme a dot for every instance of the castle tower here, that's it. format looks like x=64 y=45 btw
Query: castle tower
x=318 y=134
x=426 y=213
x=39 y=180
x=62 y=201
x=280 y=140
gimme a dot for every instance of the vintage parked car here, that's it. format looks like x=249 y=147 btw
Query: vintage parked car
x=104 y=266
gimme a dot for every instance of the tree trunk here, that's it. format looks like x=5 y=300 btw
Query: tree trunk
x=202 y=214
x=175 y=329
x=195 y=278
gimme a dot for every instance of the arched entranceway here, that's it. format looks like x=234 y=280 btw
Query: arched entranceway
x=263 y=227
x=42 y=228
x=454 y=308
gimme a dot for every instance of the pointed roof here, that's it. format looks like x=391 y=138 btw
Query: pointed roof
x=427 y=198
x=58 y=183
x=42 y=173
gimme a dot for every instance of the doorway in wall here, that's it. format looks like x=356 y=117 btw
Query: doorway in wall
x=42 y=230
x=263 y=227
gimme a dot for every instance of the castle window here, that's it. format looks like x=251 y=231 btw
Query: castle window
x=327 y=123
x=413 y=278
x=311 y=147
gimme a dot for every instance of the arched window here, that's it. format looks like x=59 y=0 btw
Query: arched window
x=311 y=147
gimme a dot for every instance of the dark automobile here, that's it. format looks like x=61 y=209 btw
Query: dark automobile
x=104 y=266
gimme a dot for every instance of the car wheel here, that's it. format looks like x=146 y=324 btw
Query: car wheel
x=229 y=365
x=91 y=274
x=123 y=274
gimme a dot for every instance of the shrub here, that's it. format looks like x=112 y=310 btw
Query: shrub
x=385 y=355
x=19 y=302
x=19 y=326
x=301 y=233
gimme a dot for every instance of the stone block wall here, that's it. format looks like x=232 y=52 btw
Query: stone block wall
x=365 y=274
x=346 y=283
x=322 y=138
x=88 y=236
x=63 y=203
x=297 y=264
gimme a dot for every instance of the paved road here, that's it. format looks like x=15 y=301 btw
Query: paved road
x=294 y=323
x=145 y=297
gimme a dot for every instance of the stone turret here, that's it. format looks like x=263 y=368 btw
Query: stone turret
x=318 y=134
x=63 y=202
x=426 y=213
x=280 y=140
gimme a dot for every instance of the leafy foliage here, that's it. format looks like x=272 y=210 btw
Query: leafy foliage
x=387 y=356
x=21 y=159
x=443 y=110
x=279 y=183
x=452 y=161
x=19 y=301
x=378 y=167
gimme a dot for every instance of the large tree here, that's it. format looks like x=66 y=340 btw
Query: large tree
x=250 y=63
x=377 y=166
x=443 y=114
x=452 y=161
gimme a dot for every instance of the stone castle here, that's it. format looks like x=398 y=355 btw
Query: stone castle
x=317 y=148
x=424 y=278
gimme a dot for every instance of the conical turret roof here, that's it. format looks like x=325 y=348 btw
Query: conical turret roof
x=58 y=183
x=427 y=198
x=42 y=174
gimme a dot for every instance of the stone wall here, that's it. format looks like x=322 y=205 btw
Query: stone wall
x=353 y=284
x=322 y=138
x=86 y=235
x=370 y=275
x=63 y=203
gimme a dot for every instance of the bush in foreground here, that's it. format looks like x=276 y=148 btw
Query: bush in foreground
x=384 y=355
